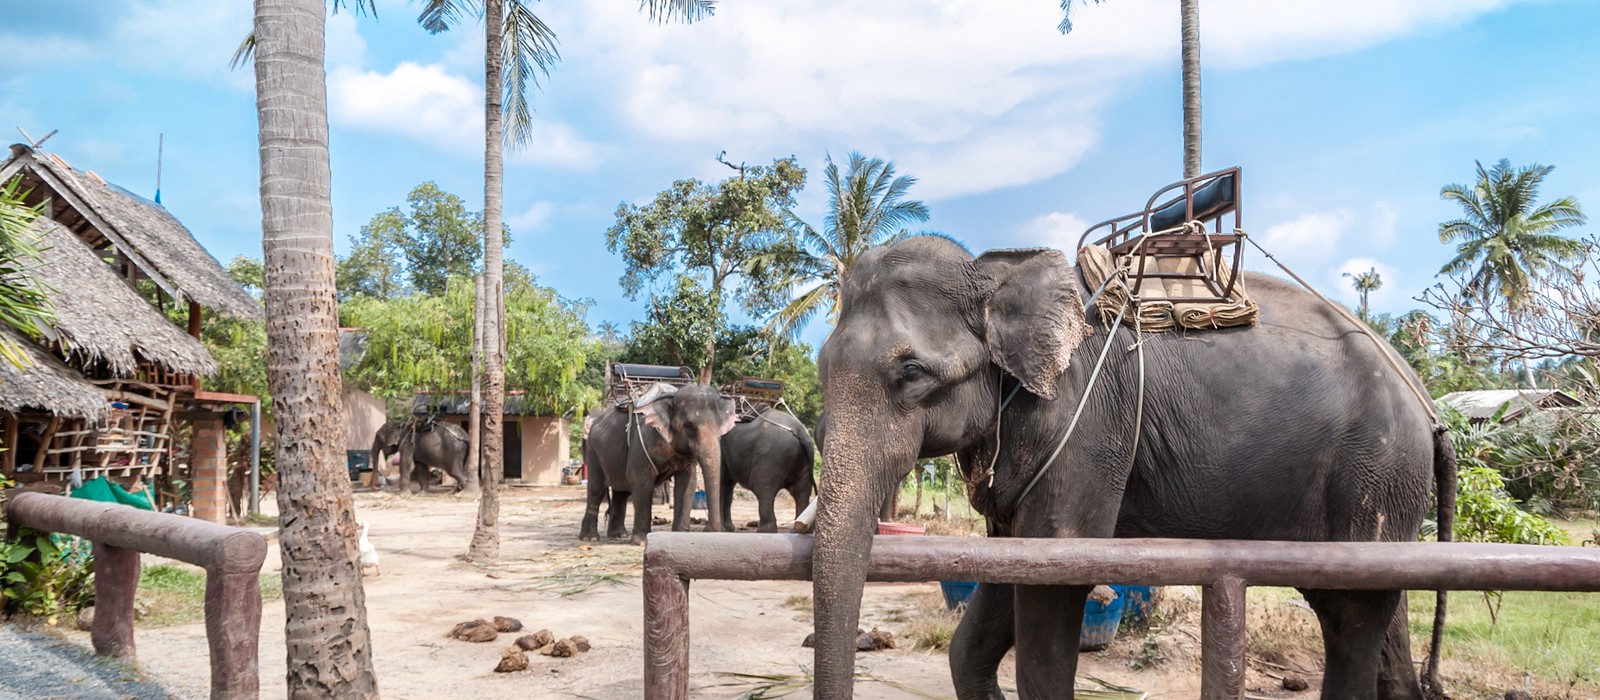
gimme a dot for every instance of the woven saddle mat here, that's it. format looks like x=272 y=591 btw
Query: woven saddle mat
x=1155 y=313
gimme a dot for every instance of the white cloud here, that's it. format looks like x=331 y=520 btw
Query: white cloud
x=969 y=95
x=534 y=217
x=1059 y=230
x=344 y=45
x=1311 y=237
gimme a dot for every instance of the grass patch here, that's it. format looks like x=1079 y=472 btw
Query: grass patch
x=925 y=623
x=1554 y=637
x=173 y=594
x=800 y=602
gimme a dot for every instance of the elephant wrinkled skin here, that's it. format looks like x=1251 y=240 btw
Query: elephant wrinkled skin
x=768 y=454
x=1296 y=428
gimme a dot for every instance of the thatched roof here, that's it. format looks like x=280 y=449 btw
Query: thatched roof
x=100 y=315
x=143 y=230
x=47 y=385
x=1482 y=405
x=460 y=404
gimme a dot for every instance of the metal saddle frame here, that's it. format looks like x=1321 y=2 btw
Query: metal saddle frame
x=1177 y=227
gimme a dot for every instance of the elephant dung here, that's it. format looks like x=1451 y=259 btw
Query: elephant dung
x=507 y=624
x=537 y=640
x=562 y=649
x=581 y=642
x=511 y=661
x=875 y=640
x=474 y=631
x=1294 y=683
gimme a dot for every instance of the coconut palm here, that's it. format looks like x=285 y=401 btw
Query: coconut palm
x=1365 y=282
x=23 y=305
x=1506 y=242
x=1190 y=23
x=867 y=206
x=517 y=38
x=329 y=644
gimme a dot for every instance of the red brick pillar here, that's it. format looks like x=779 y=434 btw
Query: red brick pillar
x=208 y=470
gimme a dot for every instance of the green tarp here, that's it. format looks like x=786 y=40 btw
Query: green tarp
x=101 y=489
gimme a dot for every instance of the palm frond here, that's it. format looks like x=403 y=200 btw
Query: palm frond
x=1066 y=16
x=441 y=15
x=686 y=11
x=529 y=49
x=247 y=47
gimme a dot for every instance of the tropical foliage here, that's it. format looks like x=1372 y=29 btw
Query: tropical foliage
x=867 y=206
x=24 y=307
x=1505 y=239
x=420 y=248
x=1485 y=511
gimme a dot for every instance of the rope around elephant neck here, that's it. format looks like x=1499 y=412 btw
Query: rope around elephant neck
x=640 y=432
x=1083 y=400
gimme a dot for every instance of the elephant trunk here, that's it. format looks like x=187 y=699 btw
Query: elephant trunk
x=858 y=468
x=710 y=451
x=378 y=445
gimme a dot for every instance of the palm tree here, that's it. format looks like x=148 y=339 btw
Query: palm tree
x=1506 y=242
x=512 y=35
x=24 y=307
x=866 y=207
x=1190 y=24
x=1365 y=282
x=329 y=644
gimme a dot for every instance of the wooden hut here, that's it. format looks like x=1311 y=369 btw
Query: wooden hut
x=100 y=242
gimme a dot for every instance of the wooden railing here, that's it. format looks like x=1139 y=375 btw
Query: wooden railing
x=1223 y=567
x=231 y=557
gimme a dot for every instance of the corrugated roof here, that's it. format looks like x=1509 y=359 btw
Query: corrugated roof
x=1482 y=405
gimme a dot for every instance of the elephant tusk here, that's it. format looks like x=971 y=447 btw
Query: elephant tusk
x=807 y=519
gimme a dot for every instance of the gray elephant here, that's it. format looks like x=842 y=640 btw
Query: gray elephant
x=1297 y=428
x=890 y=504
x=772 y=452
x=661 y=436
x=421 y=443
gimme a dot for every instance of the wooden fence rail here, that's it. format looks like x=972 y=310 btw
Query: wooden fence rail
x=1223 y=567
x=231 y=557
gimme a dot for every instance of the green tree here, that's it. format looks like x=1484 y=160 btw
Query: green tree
x=867 y=206
x=376 y=264
x=441 y=238
x=1365 y=282
x=676 y=326
x=732 y=237
x=1506 y=242
x=328 y=642
x=24 y=306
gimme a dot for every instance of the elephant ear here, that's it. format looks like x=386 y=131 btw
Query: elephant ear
x=658 y=414
x=1032 y=315
x=729 y=416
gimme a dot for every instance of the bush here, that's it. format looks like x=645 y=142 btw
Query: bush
x=45 y=575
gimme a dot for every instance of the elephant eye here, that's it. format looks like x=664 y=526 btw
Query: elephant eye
x=911 y=370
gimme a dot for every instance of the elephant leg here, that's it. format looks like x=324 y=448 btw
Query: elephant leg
x=1397 y=677
x=1354 y=625
x=727 y=502
x=408 y=469
x=981 y=640
x=1049 y=620
x=890 y=503
x=589 y=531
x=769 y=517
x=802 y=498
x=616 y=514
x=642 y=495
x=682 y=500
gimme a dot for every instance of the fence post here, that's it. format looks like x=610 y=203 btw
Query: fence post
x=116 y=579
x=233 y=632
x=1222 y=640
x=666 y=631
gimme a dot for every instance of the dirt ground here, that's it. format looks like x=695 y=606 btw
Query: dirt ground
x=550 y=580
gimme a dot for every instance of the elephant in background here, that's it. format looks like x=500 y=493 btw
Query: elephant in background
x=770 y=453
x=422 y=443
x=1301 y=427
x=632 y=449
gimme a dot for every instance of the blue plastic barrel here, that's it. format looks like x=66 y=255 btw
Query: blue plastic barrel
x=1137 y=603
x=956 y=593
x=1100 y=622
x=699 y=501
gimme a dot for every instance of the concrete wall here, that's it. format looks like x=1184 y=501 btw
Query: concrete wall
x=363 y=415
x=545 y=449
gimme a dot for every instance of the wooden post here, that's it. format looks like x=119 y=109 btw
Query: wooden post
x=8 y=459
x=233 y=631
x=1222 y=640
x=44 y=444
x=194 y=319
x=255 y=457
x=666 y=633
x=116 y=579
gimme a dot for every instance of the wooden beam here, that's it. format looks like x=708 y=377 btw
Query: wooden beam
x=194 y=319
x=44 y=445
x=8 y=459
x=220 y=397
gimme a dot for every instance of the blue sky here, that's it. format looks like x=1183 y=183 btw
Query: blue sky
x=1346 y=117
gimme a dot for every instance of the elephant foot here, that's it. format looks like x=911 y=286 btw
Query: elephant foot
x=636 y=541
x=589 y=537
x=618 y=535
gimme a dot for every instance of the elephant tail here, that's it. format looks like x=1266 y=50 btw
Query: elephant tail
x=1444 y=475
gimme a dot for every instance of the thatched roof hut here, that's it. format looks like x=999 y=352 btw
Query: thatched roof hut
x=103 y=318
x=47 y=385
x=141 y=231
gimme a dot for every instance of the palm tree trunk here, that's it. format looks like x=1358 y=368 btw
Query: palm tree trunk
x=486 y=535
x=1191 y=88
x=329 y=644
x=475 y=411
